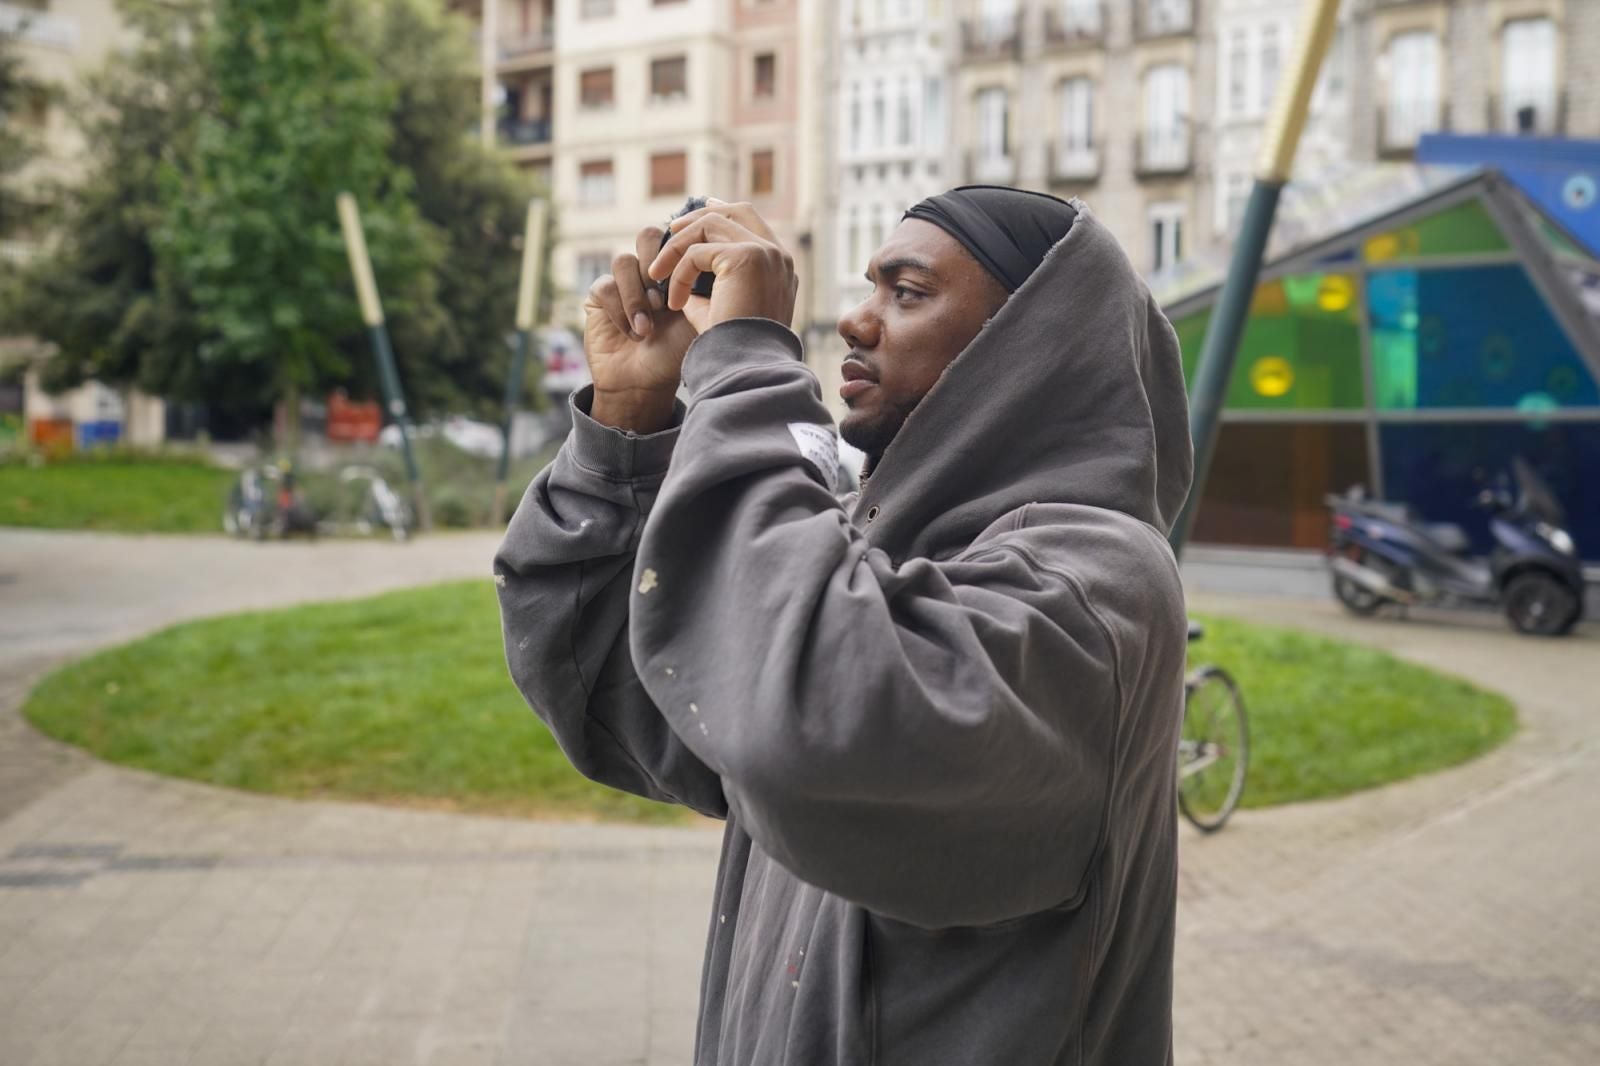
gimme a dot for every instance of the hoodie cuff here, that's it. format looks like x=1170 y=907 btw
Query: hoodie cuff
x=616 y=453
x=737 y=343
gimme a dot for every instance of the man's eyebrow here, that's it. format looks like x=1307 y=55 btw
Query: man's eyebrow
x=902 y=262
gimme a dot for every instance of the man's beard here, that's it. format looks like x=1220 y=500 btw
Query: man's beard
x=873 y=434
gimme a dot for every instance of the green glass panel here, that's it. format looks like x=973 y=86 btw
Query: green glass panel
x=1465 y=229
x=1475 y=337
x=1301 y=349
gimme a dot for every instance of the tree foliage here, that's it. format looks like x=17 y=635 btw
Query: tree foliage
x=200 y=258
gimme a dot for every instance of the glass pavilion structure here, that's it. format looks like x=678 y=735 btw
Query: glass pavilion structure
x=1416 y=354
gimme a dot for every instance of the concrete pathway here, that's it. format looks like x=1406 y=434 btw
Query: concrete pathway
x=143 y=920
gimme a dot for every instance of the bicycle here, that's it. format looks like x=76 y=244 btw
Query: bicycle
x=1214 y=746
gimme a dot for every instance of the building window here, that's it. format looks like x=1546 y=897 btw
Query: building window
x=880 y=124
x=902 y=114
x=669 y=173
x=1235 y=195
x=766 y=76
x=1271 y=63
x=933 y=115
x=596 y=183
x=1077 y=115
x=1413 y=100
x=1237 y=67
x=850 y=244
x=596 y=9
x=855 y=119
x=1081 y=17
x=1165 y=137
x=1168 y=16
x=1528 y=76
x=993 y=138
x=591 y=266
x=761 y=172
x=596 y=88
x=669 y=78
x=1166 y=235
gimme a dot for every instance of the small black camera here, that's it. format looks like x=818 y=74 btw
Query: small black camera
x=702 y=284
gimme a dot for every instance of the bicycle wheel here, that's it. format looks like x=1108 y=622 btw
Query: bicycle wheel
x=1214 y=749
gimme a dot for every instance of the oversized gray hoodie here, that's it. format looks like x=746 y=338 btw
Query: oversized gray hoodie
x=939 y=719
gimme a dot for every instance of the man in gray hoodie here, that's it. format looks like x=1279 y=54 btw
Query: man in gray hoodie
x=939 y=717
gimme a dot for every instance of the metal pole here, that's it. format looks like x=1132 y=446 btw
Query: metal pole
x=1221 y=348
x=527 y=310
x=355 y=243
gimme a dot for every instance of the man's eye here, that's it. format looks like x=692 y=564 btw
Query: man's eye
x=903 y=294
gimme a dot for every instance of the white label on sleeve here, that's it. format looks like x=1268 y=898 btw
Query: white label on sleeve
x=821 y=449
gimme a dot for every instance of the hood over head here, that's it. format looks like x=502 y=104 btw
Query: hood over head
x=1073 y=393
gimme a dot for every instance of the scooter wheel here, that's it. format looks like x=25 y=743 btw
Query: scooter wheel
x=1540 y=604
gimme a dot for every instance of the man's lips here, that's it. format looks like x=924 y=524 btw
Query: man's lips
x=857 y=379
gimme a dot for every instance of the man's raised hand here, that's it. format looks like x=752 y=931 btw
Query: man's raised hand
x=755 y=275
x=634 y=344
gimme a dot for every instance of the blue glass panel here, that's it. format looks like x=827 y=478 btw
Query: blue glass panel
x=1440 y=468
x=1478 y=337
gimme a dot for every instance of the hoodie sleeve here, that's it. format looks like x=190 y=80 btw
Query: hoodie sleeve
x=932 y=741
x=563 y=573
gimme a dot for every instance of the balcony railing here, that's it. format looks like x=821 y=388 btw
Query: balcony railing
x=1528 y=115
x=1165 y=151
x=991 y=169
x=1163 y=18
x=1074 y=162
x=994 y=37
x=1075 y=25
x=527 y=44
x=525 y=131
x=1400 y=129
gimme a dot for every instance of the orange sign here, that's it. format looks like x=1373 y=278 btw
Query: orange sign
x=353 y=421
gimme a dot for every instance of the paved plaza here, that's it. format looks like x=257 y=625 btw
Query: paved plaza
x=1453 y=919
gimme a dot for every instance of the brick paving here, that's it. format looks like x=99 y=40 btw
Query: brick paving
x=1450 y=919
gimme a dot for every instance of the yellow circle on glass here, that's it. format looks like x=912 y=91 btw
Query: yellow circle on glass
x=1272 y=376
x=1382 y=248
x=1336 y=293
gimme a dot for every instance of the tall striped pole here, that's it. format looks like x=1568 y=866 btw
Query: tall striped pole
x=1221 y=348
x=527 y=310
x=355 y=244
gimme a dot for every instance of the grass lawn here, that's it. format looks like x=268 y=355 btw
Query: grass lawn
x=132 y=496
x=404 y=698
x=1327 y=718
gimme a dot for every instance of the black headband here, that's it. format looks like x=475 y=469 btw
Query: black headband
x=1007 y=230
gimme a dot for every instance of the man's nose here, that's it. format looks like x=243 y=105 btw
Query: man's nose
x=858 y=327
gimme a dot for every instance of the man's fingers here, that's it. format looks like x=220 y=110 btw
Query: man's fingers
x=696 y=259
x=647 y=246
x=603 y=296
x=708 y=228
x=631 y=292
x=744 y=214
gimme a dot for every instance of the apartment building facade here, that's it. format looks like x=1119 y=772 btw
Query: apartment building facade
x=1094 y=99
x=1522 y=67
x=60 y=42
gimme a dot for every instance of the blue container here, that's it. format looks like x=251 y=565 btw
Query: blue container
x=91 y=434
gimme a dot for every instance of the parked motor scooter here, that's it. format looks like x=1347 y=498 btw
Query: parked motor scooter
x=1383 y=553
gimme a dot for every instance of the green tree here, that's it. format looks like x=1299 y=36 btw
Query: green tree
x=126 y=307
x=474 y=197
x=95 y=291
x=248 y=224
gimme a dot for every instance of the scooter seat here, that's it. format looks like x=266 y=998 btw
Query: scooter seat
x=1450 y=538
